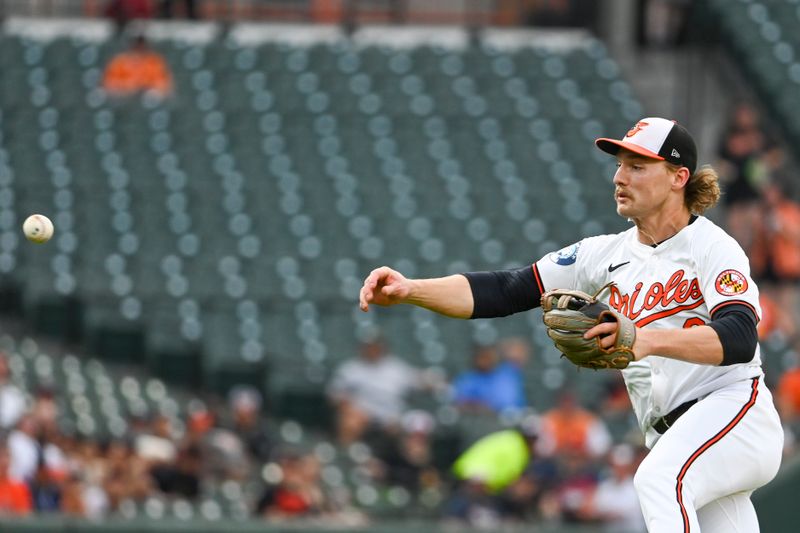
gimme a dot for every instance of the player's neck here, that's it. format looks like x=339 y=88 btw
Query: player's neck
x=660 y=226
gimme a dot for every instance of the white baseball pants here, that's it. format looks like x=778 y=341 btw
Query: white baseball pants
x=699 y=475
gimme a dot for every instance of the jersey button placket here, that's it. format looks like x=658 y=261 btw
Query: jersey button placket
x=657 y=386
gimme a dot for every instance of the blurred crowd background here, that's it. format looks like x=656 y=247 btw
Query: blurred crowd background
x=404 y=418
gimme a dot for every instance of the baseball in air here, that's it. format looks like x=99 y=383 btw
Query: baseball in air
x=38 y=228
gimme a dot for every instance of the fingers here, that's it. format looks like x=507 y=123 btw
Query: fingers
x=376 y=276
x=388 y=290
x=367 y=292
x=608 y=341
x=604 y=329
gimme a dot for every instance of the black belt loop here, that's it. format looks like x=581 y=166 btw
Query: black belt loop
x=665 y=422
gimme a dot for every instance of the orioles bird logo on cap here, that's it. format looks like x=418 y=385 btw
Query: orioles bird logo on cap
x=638 y=127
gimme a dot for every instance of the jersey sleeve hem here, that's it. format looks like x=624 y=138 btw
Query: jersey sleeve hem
x=727 y=303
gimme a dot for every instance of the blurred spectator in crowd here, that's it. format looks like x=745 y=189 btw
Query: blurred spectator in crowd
x=299 y=492
x=249 y=422
x=472 y=504
x=743 y=173
x=181 y=477
x=788 y=396
x=491 y=385
x=127 y=475
x=83 y=497
x=167 y=11
x=577 y=483
x=775 y=260
x=25 y=450
x=73 y=496
x=174 y=469
x=224 y=452
x=46 y=490
x=228 y=447
x=775 y=320
x=371 y=390
x=138 y=69
x=12 y=401
x=15 y=497
x=486 y=468
x=664 y=23
x=45 y=410
x=776 y=253
x=87 y=457
x=85 y=473
x=519 y=502
x=778 y=170
x=498 y=459
x=158 y=443
x=515 y=350
x=614 y=502
x=409 y=462
x=200 y=421
x=616 y=400
x=531 y=496
x=123 y=11
x=560 y=13
x=616 y=410
x=568 y=428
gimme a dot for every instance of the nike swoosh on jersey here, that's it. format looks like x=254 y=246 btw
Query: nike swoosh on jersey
x=612 y=268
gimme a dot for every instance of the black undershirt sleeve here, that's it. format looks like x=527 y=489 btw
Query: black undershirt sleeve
x=736 y=326
x=503 y=292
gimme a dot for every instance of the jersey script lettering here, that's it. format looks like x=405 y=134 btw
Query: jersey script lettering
x=677 y=289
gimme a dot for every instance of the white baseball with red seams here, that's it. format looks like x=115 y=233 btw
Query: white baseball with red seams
x=734 y=429
x=38 y=228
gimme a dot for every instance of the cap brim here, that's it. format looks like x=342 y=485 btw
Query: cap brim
x=612 y=146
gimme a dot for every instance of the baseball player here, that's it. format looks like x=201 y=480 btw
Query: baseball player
x=696 y=382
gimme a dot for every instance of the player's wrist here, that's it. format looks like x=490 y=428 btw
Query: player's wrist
x=644 y=344
x=415 y=292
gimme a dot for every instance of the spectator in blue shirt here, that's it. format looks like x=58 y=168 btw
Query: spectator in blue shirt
x=494 y=384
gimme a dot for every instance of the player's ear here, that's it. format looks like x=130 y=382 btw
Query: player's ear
x=680 y=177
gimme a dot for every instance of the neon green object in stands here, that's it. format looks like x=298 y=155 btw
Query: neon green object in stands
x=497 y=459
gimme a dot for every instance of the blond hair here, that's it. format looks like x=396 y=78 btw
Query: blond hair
x=702 y=190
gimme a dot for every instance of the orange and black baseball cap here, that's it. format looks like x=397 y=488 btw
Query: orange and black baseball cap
x=656 y=138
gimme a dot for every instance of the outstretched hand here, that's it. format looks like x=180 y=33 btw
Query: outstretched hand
x=384 y=286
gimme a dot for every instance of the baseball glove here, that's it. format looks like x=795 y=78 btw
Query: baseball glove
x=569 y=314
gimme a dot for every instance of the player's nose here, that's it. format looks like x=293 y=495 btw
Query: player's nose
x=619 y=177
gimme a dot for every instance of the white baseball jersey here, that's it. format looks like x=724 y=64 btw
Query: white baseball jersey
x=678 y=284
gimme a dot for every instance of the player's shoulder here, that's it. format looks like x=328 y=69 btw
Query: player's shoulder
x=706 y=226
x=710 y=238
x=604 y=242
x=583 y=249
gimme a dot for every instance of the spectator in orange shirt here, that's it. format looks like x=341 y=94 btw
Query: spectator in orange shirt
x=788 y=396
x=15 y=497
x=787 y=400
x=139 y=69
x=570 y=428
x=780 y=242
x=776 y=254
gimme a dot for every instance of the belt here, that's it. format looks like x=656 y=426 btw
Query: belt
x=665 y=422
